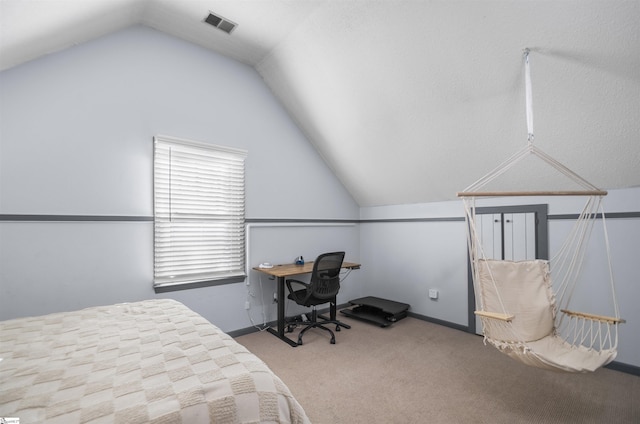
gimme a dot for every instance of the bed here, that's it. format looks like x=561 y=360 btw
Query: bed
x=154 y=361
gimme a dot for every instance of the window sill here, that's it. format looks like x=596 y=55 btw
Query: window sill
x=170 y=287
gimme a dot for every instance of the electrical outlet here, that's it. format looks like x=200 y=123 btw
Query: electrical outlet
x=247 y=305
x=433 y=293
x=275 y=297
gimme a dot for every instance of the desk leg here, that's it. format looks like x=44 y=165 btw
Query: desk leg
x=279 y=333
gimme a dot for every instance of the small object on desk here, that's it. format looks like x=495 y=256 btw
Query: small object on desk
x=265 y=265
x=299 y=260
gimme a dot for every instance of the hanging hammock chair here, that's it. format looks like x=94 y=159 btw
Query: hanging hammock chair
x=523 y=315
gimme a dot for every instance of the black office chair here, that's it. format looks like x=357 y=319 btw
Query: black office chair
x=323 y=288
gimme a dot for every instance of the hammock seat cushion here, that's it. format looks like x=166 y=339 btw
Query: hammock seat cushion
x=523 y=289
x=520 y=288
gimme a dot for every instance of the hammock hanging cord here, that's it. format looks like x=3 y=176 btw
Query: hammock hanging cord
x=530 y=149
x=528 y=94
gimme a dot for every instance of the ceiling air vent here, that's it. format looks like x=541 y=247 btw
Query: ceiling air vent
x=221 y=23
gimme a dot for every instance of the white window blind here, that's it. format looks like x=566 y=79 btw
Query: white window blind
x=198 y=212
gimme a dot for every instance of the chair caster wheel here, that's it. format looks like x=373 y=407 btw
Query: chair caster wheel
x=337 y=328
x=299 y=342
x=333 y=341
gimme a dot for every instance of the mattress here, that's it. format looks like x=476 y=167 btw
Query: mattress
x=153 y=361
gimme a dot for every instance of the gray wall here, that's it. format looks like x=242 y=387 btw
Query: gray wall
x=408 y=249
x=76 y=139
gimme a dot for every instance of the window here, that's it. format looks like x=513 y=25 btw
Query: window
x=198 y=213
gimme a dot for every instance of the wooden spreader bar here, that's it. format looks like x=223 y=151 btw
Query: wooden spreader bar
x=495 y=315
x=531 y=193
x=593 y=317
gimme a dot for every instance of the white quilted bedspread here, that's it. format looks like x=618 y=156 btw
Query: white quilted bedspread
x=154 y=361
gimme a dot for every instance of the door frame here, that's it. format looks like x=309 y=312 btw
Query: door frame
x=541 y=212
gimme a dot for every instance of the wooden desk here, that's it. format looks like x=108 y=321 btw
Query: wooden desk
x=288 y=270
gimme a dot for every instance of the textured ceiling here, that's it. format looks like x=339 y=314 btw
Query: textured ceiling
x=408 y=101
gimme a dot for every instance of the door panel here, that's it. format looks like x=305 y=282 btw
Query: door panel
x=490 y=235
x=519 y=236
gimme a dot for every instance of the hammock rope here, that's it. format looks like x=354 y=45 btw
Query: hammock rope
x=529 y=148
x=556 y=338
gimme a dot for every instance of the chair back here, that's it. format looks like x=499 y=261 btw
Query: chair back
x=325 y=278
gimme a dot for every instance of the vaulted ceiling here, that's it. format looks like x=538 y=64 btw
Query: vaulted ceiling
x=407 y=101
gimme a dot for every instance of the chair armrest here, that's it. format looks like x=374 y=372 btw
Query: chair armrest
x=495 y=315
x=292 y=291
x=593 y=317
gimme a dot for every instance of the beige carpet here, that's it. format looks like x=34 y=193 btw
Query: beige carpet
x=418 y=372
